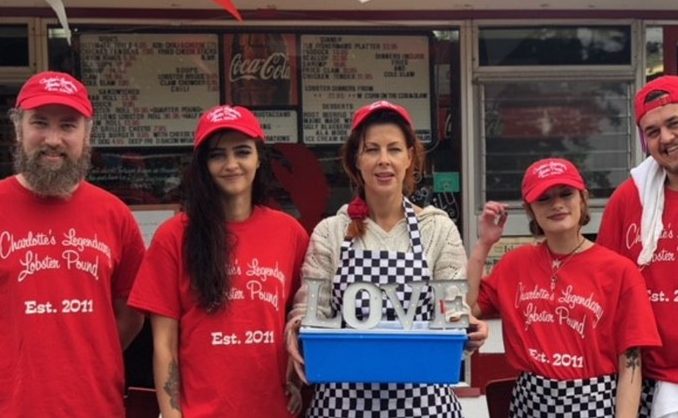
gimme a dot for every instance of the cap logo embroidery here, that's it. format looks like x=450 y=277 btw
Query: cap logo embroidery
x=59 y=84
x=551 y=168
x=223 y=113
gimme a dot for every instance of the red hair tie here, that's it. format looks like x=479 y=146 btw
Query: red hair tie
x=358 y=209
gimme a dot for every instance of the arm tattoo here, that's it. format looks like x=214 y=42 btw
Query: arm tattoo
x=632 y=360
x=172 y=385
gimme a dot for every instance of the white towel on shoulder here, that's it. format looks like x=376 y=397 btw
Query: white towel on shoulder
x=649 y=178
x=665 y=403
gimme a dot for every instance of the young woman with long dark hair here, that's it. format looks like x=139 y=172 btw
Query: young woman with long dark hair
x=217 y=280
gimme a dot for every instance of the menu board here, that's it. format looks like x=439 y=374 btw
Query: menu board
x=280 y=126
x=149 y=89
x=340 y=73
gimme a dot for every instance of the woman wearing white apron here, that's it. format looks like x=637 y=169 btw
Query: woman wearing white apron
x=574 y=313
x=380 y=237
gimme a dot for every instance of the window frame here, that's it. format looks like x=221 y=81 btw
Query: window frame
x=14 y=74
x=475 y=189
x=547 y=68
x=481 y=169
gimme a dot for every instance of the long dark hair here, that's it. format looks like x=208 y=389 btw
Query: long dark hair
x=209 y=245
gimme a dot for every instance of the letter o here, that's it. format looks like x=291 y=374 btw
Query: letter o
x=348 y=308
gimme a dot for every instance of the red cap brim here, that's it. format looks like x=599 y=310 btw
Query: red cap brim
x=39 y=101
x=381 y=106
x=252 y=133
x=543 y=186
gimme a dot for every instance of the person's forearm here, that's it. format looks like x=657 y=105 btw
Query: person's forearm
x=129 y=322
x=168 y=384
x=629 y=384
x=166 y=365
x=474 y=270
x=298 y=310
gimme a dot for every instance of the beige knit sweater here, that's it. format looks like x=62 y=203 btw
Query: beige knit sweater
x=442 y=244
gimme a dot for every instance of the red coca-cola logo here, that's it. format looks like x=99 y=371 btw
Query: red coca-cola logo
x=275 y=67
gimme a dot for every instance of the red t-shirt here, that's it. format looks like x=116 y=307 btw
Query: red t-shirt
x=232 y=363
x=62 y=263
x=596 y=312
x=620 y=231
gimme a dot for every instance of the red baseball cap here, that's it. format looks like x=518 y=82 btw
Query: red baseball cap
x=549 y=172
x=666 y=84
x=226 y=117
x=368 y=110
x=54 y=88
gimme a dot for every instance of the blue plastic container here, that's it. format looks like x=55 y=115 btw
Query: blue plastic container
x=383 y=355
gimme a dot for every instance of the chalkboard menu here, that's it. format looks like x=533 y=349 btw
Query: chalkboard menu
x=149 y=89
x=340 y=73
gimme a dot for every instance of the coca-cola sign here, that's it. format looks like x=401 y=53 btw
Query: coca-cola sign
x=261 y=69
x=274 y=67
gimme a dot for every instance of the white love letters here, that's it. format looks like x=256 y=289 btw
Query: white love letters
x=450 y=309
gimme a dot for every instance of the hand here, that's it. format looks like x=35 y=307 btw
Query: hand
x=477 y=335
x=292 y=343
x=294 y=400
x=491 y=222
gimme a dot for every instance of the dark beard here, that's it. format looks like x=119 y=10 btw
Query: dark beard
x=46 y=181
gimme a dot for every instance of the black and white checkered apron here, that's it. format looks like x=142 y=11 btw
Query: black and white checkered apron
x=538 y=397
x=378 y=400
x=646 y=398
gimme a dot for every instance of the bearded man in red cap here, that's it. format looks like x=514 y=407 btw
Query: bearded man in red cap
x=641 y=222
x=69 y=252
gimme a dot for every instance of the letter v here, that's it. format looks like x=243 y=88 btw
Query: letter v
x=406 y=320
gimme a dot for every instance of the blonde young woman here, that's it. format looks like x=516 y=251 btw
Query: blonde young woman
x=574 y=314
x=381 y=157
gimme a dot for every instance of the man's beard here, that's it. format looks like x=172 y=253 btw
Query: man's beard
x=46 y=181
